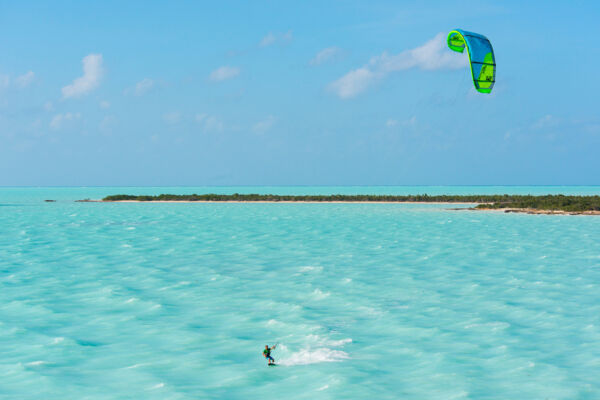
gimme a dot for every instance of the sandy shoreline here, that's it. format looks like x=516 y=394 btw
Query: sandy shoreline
x=503 y=210
x=535 y=211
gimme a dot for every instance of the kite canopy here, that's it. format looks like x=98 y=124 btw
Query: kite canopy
x=481 y=57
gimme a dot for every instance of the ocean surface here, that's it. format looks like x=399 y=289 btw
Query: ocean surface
x=382 y=301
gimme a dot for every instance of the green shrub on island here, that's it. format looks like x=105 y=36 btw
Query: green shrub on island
x=545 y=202
x=549 y=202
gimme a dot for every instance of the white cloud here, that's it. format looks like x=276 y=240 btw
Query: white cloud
x=92 y=74
x=48 y=106
x=21 y=81
x=223 y=73
x=548 y=127
x=325 y=55
x=143 y=86
x=432 y=55
x=273 y=38
x=59 y=120
x=25 y=79
x=509 y=133
x=104 y=104
x=264 y=125
x=209 y=123
x=172 y=117
x=411 y=122
x=353 y=83
x=268 y=40
x=547 y=121
x=107 y=124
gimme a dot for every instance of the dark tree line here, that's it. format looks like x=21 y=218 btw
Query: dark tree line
x=545 y=202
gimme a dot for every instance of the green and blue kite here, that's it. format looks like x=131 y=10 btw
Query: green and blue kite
x=481 y=57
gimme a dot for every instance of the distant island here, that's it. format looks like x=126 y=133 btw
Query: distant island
x=545 y=204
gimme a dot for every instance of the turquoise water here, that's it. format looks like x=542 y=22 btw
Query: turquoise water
x=176 y=301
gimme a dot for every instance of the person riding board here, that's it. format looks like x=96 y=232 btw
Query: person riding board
x=267 y=354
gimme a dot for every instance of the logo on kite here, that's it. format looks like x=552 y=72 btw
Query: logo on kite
x=481 y=57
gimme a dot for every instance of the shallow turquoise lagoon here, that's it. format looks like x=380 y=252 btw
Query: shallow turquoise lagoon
x=387 y=301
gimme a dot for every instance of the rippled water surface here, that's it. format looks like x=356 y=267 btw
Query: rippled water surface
x=176 y=301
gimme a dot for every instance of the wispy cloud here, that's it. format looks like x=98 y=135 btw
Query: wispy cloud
x=172 y=117
x=268 y=40
x=265 y=125
x=90 y=80
x=209 y=123
x=353 y=83
x=21 y=81
x=104 y=104
x=547 y=127
x=59 y=120
x=107 y=124
x=433 y=55
x=276 y=38
x=143 y=86
x=223 y=73
x=411 y=122
x=326 y=55
x=25 y=80
x=547 y=121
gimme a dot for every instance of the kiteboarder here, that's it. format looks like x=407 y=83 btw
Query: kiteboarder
x=267 y=354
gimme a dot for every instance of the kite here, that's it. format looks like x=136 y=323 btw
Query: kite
x=481 y=57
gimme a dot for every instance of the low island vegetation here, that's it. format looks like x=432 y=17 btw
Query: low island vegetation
x=557 y=202
x=514 y=203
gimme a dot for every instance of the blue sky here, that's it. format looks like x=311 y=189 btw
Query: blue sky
x=295 y=93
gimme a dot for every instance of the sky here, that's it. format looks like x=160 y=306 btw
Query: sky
x=149 y=93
